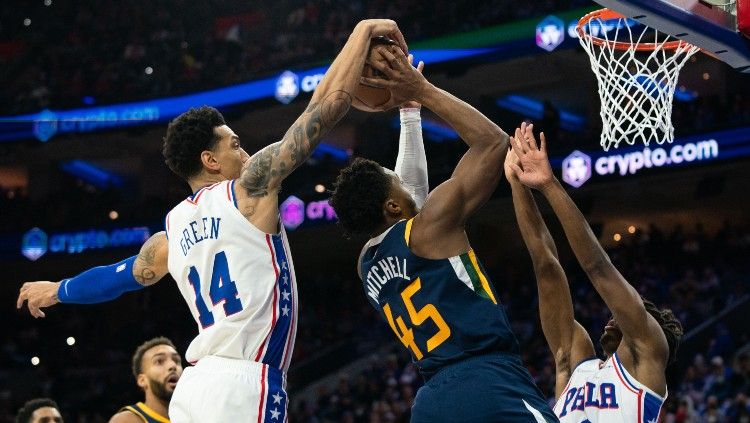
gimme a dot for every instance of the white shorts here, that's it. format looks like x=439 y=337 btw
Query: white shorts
x=219 y=389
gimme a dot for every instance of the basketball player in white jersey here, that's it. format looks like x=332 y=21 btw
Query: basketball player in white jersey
x=638 y=342
x=226 y=250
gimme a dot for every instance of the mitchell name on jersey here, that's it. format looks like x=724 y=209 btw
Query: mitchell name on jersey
x=383 y=272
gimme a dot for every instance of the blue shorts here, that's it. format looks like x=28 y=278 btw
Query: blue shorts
x=488 y=388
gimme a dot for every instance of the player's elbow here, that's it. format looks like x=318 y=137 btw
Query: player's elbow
x=495 y=147
x=494 y=138
x=547 y=267
x=598 y=267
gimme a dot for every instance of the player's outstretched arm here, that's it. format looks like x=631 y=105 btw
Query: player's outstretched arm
x=151 y=262
x=474 y=180
x=100 y=284
x=567 y=339
x=266 y=169
x=641 y=333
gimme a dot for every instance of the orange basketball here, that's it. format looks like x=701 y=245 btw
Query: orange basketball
x=367 y=98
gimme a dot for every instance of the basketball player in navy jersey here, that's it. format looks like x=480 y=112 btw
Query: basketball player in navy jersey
x=227 y=252
x=157 y=367
x=420 y=273
x=638 y=342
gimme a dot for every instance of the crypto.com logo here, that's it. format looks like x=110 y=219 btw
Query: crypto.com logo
x=34 y=244
x=287 y=87
x=550 y=33
x=576 y=168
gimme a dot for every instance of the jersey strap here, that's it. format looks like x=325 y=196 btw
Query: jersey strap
x=649 y=403
x=407 y=231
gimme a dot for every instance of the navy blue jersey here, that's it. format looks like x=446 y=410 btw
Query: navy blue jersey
x=145 y=413
x=442 y=310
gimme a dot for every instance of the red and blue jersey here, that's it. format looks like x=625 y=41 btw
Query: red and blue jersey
x=603 y=391
x=237 y=280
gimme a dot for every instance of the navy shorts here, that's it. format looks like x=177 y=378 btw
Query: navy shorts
x=488 y=388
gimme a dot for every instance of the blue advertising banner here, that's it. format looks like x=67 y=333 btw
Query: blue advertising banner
x=285 y=88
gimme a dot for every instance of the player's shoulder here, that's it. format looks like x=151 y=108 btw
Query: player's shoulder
x=125 y=415
x=383 y=243
x=222 y=190
x=156 y=241
x=588 y=365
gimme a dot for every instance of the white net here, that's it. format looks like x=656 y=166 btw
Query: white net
x=636 y=68
x=725 y=5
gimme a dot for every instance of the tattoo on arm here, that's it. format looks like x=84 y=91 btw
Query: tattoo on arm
x=143 y=268
x=268 y=167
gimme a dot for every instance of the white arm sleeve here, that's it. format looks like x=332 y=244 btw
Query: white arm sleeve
x=411 y=163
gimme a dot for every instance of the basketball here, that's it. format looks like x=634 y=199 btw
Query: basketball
x=368 y=98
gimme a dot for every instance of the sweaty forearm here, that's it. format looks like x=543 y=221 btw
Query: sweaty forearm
x=472 y=126
x=584 y=243
x=555 y=302
x=346 y=69
x=534 y=231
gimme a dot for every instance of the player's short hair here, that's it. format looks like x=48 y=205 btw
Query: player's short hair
x=25 y=412
x=669 y=324
x=141 y=350
x=358 y=196
x=188 y=135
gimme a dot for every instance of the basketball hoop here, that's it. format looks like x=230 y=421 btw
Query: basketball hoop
x=636 y=72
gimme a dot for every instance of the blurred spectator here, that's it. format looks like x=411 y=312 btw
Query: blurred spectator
x=39 y=410
x=711 y=388
x=116 y=51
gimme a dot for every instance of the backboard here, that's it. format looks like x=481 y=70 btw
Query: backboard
x=720 y=28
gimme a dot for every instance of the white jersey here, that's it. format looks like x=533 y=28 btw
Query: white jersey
x=237 y=280
x=603 y=392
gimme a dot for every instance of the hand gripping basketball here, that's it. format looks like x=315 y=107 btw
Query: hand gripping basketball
x=404 y=81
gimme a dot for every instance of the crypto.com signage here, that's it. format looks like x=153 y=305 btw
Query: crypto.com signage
x=578 y=167
x=294 y=212
x=36 y=243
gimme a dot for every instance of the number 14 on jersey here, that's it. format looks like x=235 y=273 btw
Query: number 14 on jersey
x=222 y=289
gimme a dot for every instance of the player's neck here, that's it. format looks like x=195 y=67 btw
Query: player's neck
x=158 y=405
x=389 y=221
x=203 y=180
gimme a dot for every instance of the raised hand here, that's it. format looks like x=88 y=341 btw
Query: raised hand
x=404 y=81
x=534 y=169
x=38 y=294
x=511 y=159
x=386 y=28
x=412 y=104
